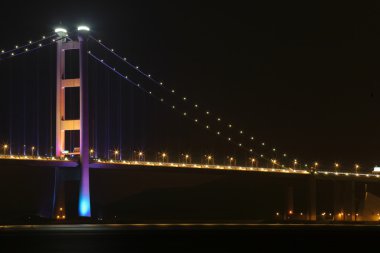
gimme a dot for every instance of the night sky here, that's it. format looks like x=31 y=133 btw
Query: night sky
x=303 y=77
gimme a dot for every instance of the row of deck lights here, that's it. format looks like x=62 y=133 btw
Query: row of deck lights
x=163 y=156
x=208 y=159
x=184 y=158
x=5 y=148
x=207 y=165
x=150 y=163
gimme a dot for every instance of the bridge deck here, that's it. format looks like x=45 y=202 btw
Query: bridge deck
x=103 y=164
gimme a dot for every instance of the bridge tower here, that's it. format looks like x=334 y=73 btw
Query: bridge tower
x=82 y=124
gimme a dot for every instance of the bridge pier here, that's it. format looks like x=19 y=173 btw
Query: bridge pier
x=63 y=177
x=289 y=202
x=312 y=209
x=344 y=202
x=351 y=205
x=337 y=208
x=59 y=206
x=361 y=191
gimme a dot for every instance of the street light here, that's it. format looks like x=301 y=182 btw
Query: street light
x=274 y=162
x=187 y=157
x=140 y=155
x=295 y=162
x=231 y=160
x=164 y=157
x=357 y=168
x=209 y=158
x=254 y=160
x=91 y=152
x=316 y=165
x=336 y=165
x=116 y=152
x=5 y=146
x=33 y=148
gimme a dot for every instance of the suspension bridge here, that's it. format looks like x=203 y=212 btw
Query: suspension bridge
x=77 y=127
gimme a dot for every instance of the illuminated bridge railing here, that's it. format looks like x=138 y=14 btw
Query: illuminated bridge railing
x=236 y=168
x=33 y=158
x=98 y=163
x=201 y=166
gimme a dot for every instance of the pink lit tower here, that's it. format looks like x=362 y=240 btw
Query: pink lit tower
x=81 y=124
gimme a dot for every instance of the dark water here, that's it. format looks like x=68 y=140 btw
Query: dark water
x=189 y=238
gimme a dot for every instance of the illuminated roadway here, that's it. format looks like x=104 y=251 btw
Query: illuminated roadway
x=105 y=164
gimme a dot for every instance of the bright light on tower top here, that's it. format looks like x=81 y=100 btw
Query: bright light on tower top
x=60 y=30
x=83 y=28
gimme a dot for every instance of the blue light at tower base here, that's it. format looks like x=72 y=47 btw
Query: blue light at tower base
x=84 y=206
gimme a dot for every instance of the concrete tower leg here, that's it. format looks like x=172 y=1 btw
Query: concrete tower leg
x=62 y=123
x=60 y=98
x=84 y=191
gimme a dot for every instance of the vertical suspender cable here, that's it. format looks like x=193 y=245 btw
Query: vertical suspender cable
x=92 y=105
x=37 y=107
x=69 y=107
x=24 y=112
x=10 y=107
x=51 y=104
x=95 y=129
x=107 y=115
x=120 y=121
x=132 y=118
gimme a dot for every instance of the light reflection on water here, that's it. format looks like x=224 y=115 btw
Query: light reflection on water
x=153 y=226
